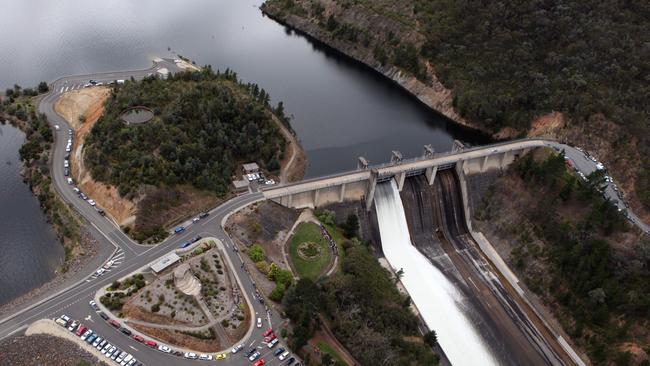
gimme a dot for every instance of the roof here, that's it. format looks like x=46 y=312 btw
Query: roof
x=240 y=183
x=165 y=262
x=251 y=166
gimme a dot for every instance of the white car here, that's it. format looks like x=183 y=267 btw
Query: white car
x=106 y=348
x=86 y=334
x=66 y=164
x=67 y=149
x=121 y=357
x=273 y=343
x=92 y=202
x=190 y=355
x=70 y=182
x=163 y=348
x=205 y=357
x=56 y=127
x=126 y=359
x=73 y=326
x=76 y=190
x=284 y=355
x=237 y=348
x=259 y=322
x=100 y=271
x=254 y=356
x=196 y=219
x=109 y=264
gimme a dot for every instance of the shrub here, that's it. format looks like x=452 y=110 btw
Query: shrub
x=256 y=253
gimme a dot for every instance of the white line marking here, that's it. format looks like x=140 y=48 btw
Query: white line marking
x=133 y=348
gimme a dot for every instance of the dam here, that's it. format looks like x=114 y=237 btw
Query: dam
x=463 y=290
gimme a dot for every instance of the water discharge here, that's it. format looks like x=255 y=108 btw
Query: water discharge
x=440 y=303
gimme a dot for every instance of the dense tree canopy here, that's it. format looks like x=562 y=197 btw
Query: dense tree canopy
x=205 y=123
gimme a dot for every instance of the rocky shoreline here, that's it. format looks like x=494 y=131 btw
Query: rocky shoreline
x=435 y=96
x=44 y=350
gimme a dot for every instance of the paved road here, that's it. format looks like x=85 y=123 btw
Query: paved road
x=128 y=255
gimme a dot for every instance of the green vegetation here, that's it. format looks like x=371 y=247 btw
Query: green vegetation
x=596 y=270
x=364 y=309
x=256 y=253
x=18 y=108
x=329 y=357
x=312 y=267
x=510 y=62
x=204 y=124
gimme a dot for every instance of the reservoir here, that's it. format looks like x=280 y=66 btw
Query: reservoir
x=29 y=250
x=340 y=110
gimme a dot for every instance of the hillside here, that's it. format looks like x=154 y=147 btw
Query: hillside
x=204 y=125
x=577 y=253
x=505 y=67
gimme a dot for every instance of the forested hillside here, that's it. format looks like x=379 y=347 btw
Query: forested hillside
x=204 y=124
x=577 y=252
x=508 y=63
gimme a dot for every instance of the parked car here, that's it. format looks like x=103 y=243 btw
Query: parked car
x=284 y=355
x=86 y=334
x=114 y=323
x=221 y=356
x=237 y=348
x=254 y=356
x=185 y=244
x=290 y=361
x=195 y=239
x=61 y=322
x=203 y=215
x=93 y=304
x=259 y=322
x=179 y=229
x=273 y=343
x=100 y=272
x=81 y=330
x=269 y=338
x=73 y=326
x=259 y=363
x=151 y=343
x=109 y=264
x=267 y=332
x=103 y=315
x=190 y=355
x=138 y=338
x=195 y=220
x=278 y=352
x=163 y=348
x=205 y=357
x=125 y=331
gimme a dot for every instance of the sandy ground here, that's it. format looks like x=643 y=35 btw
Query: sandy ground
x=89 y=102
x=48 y=326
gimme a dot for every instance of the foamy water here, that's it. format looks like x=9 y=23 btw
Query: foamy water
x=440 y=303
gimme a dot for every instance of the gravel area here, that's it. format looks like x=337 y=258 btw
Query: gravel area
x=42 y=349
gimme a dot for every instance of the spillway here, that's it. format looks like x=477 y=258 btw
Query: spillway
x=439 y=302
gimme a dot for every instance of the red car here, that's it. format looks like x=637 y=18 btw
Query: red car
x=81 y=330
x=151 y=343
x=267 y=333
x=114 y=323
x=269 y=338
x=138 y=338
x=260 y=362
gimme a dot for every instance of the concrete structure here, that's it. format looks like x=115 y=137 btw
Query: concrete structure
x=251 y=168
x=241 y=186
x=163 y=73
x=360 y=184
x=165 y=262
x=185 y=280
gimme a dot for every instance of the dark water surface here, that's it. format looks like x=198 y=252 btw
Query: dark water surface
x=340 y=110
x=29 y=250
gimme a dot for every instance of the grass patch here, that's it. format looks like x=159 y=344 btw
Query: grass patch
x=309 y=232
x=326 y=348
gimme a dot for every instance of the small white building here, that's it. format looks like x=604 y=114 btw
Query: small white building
x=250 y=168
x=165 y=262
x=163 y=73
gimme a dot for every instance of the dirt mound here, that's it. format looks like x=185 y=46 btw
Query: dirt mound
x=89 y=103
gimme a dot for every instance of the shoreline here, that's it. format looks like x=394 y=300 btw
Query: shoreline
x=391 y=74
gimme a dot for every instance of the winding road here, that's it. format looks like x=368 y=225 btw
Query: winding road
x=72 y=298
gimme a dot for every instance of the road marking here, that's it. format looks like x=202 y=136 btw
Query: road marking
x=470 y=280
x=66 y=88
x=252 y=343
x=133 y=347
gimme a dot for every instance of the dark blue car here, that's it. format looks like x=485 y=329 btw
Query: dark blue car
x=186 y=244
x=179 y=229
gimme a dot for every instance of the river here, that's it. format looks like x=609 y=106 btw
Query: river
x=340 y=110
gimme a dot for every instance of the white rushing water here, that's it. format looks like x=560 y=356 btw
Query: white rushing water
x=440 y=303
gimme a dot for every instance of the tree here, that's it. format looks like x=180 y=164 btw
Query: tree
x=431 y=338
x=351 y=226
x=256 y=253
x=278 y=292
x=43 y=88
